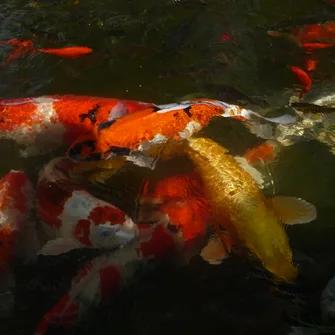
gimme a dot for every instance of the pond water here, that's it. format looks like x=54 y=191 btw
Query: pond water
x=162 y=52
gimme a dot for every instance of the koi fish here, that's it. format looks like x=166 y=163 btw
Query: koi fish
x=319 y=30
x=174 y=219
x=26 y=46
x=18 y=237
x=68 y=52
x=73 y=218
x=303 y=77
x=249 y=217
x=134 y=135
x=176 y=226
x=45 y=123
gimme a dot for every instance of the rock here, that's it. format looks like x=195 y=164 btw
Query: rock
x=327 y=302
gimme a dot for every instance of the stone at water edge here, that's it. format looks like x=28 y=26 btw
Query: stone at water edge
x=327 y=302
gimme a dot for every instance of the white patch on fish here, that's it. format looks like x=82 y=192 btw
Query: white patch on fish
x=157 y=139
x=118 y=111
x=190 y=129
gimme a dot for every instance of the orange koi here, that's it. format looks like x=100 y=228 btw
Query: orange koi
x=134 y=134
x=42 y=124
x=25 y=46
x=68 y=52
x=303 y=77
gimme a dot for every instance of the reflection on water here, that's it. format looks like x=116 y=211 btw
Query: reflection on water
x=162 y=52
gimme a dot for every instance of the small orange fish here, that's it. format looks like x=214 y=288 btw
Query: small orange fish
x=303 y=77
x=26 y=46
x=68 y=52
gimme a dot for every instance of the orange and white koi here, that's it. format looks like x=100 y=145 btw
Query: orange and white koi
x=133 y=135
x=176 y=225
x=73 y=218
x=44 y=123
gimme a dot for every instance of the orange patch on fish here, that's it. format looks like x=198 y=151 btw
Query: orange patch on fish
x=260 y=153
x=145 y=125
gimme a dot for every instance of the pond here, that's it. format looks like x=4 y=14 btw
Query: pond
x=239 y=52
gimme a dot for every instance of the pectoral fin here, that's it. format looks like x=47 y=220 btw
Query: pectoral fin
x=215 y=251
x=293 y=210
x=59 y=246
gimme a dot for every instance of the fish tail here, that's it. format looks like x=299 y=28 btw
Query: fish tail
x=283 y=119
x=96 y=282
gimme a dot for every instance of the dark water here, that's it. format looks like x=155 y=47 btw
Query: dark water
x=163 y=51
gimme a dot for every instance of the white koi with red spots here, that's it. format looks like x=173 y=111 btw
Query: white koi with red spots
x=73 y=218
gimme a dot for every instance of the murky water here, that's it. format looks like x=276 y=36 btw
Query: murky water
x=162 y=51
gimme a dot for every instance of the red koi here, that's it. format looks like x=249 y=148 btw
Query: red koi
x=42 y=124
x=303 y=77
x=73 y=218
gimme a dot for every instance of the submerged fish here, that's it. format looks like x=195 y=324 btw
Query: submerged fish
x=45 y=123
x=73 y=218
x=18 y=236
x=239 y=205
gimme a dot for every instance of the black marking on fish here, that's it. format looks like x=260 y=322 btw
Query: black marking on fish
x=90 y=114
x=75 y=151
x=187 y=110
x=106 y=124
